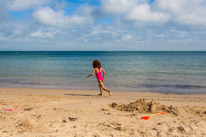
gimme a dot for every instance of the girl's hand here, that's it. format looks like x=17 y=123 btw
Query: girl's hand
x=91 y=73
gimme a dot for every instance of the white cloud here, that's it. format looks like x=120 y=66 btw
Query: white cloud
x=45 y=33
x=98 y=30
x=60 y=5
x=191 y=12
x=175 y=6
x=97 y=33
x=133 y=10
x=117 y=6
x=51 y=17
x=76 y=19
x=41 y=34
x=87 y=11
x=143 y=13
x=126 y=37
x=19 y=5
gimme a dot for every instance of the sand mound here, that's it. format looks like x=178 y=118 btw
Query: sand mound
x=141 y=106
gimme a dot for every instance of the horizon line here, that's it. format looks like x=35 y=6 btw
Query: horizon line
x=102 y=51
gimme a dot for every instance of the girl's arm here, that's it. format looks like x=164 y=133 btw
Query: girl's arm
x=91 y=73
x=104 y=72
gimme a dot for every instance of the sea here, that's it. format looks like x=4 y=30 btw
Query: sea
x=181 y=72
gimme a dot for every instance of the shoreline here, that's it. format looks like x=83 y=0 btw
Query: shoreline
x=97 y=89
x=57 y=112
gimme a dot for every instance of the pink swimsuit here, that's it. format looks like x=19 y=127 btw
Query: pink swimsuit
x=99 y=75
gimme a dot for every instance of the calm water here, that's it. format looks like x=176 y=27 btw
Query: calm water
x=175 y=72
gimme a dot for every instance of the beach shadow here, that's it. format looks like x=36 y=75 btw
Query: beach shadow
x=85 y=95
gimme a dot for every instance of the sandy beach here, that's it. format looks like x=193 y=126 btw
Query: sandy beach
x=78 y=113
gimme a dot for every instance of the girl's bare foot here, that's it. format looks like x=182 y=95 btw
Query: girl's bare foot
x=110 y=93
x=100 y=94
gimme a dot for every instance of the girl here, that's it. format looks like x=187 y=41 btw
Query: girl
x=98 y=70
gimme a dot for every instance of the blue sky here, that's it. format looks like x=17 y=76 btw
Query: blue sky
x=154 y=25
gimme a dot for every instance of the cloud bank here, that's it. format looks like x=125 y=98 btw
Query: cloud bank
x=48 y=16
x=109 y=24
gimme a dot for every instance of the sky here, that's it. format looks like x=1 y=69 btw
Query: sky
x=103 y=25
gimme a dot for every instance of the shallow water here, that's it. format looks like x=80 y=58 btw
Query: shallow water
x=168 y=72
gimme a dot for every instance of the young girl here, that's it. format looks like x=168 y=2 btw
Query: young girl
x=98 y=70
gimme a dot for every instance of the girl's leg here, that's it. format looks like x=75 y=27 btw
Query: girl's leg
x=100 y=92
x=102 y=87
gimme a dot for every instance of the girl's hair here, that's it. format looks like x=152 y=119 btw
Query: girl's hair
x=97 y=63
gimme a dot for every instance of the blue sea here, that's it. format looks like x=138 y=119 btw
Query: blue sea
x=165 y=72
